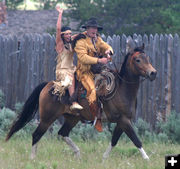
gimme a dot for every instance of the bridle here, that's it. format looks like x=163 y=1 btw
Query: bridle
x=112 y=94
x=121 y=78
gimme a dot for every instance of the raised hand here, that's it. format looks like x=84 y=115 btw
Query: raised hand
x=59 y=9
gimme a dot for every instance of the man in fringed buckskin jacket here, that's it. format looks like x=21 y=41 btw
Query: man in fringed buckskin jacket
x=87 y=49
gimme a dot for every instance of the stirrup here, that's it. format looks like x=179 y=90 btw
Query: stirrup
x=95 y=120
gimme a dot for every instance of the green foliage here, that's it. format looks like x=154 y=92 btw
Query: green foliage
x=6 y=117
x=143 y=129
x=87 y=132
x=2 y=99
x=18 y=107
x=29 y=166
x=126 y=152
x=42 y=166
x=142 y=126
x=13 y=4
x=46 y=4
x=129 y=16
x=55 y=165
x=162 y=137
x=171 y=127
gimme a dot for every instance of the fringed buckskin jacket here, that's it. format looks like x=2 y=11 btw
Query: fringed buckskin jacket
x=86 y=54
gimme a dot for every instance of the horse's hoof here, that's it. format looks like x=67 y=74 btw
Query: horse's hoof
x=105 y=156
x=143 y=153
x=32 y=157
x=78 y=155
x=107 y=152
x=146 y=158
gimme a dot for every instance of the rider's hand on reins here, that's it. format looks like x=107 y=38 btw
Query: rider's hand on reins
x=103 y=60
x=109 y=58
x=108 y=55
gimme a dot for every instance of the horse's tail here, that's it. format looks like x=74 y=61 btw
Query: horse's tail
x=28 y=112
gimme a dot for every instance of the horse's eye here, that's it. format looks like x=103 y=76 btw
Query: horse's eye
x=138 y=60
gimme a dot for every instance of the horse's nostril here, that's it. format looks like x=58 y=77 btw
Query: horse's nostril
x=153 y=73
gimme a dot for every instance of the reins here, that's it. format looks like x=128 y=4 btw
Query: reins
x=112 y=94
x=130 y=82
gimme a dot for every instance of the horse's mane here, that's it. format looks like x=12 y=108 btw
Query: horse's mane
x=123 y=67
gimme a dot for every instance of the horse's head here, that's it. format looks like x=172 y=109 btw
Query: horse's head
x=138 y=63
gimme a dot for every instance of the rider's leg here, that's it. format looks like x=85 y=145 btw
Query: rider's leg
x=95 y=109
x=73 y=96
x=88 y=83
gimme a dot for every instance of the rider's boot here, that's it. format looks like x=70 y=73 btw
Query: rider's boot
x=74 y=104
x=96 y=112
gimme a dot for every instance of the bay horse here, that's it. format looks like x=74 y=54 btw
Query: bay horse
x=119 y=109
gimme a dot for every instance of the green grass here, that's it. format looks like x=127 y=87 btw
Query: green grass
x=55 y=154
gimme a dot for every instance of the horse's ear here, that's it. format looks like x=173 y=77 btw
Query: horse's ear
x=143 y=46
x=130 y=45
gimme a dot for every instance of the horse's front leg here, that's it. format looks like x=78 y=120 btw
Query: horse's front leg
x=128 y=129
x=115 y=137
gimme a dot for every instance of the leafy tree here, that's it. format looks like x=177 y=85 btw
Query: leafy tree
x=12 y=4
x=129 y=16
x=46 y=4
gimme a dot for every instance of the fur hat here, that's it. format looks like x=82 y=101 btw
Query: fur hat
x=92 y=22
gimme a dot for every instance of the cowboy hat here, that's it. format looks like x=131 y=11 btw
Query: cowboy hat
x=92 y=22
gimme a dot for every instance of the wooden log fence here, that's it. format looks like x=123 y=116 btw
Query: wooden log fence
x=28 y=61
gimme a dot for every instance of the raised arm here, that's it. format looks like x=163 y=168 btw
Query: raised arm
x=59 y=41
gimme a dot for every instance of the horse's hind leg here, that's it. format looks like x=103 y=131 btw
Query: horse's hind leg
x=38 y=133
x=116 y=135
x=70 y=122
x=128 y=129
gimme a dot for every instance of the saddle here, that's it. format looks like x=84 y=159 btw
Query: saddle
x=104 y=83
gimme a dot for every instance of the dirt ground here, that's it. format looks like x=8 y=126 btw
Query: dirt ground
x=20 y=22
